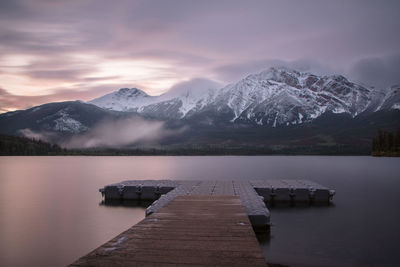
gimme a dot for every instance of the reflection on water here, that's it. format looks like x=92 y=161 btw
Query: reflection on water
x=126 y=203
x=50 y=213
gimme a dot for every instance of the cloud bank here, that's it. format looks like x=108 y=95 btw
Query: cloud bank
x=111 y=133
x=43 y=136
x=380 y=72
x=119 y=133
x=78 y=46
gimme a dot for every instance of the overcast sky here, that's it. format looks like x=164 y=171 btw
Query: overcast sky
x=81 y=49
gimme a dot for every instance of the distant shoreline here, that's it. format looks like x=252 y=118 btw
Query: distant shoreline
x=386 y=154
x=21 y=146
x=179 y=154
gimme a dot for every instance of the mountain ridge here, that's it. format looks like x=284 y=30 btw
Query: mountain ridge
x=277 y=96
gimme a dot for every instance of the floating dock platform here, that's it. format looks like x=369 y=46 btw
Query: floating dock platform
x=254 y=194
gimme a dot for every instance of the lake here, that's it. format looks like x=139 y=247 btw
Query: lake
x=51 y=212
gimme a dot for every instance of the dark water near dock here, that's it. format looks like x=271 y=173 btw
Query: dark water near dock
x=50 y=212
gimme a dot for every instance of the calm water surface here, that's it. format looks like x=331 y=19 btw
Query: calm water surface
x=50 y=212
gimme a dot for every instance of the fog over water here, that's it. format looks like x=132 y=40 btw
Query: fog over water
x=111 y=133
x=50 y=212
x=118 y=133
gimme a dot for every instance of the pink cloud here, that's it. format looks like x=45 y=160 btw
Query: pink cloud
x=9 y=101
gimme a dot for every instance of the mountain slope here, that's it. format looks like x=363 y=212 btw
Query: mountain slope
x=281 y=96
x=391 y=99
x=69 y=117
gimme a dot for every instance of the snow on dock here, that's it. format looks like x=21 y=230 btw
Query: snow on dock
x=197 y=229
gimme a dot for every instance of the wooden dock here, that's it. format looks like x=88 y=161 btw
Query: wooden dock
x=189 y=230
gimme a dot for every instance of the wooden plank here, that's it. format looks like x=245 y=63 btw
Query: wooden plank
x=190 y=230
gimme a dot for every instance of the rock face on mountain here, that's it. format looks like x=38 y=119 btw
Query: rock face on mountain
x=277 y=96
x=391 y=100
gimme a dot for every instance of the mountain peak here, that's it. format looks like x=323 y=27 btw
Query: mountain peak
x=278 y=74
x=125 y=99
x=131 y=92
x=279 y=71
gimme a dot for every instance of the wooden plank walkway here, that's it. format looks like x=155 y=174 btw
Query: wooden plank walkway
x=190 y=230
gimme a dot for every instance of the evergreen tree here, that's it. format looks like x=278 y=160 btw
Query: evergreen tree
x=386 y=144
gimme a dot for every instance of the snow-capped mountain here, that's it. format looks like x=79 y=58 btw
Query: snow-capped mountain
x=275 y=108
x=277 y=96
x=171 y=105
x=281 y=96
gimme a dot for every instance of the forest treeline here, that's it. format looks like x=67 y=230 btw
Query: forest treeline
x=22 y=146
x=386 y=144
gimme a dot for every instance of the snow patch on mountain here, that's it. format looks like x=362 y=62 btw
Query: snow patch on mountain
x=67 y=124
x=63 y=122
x=36 y=109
